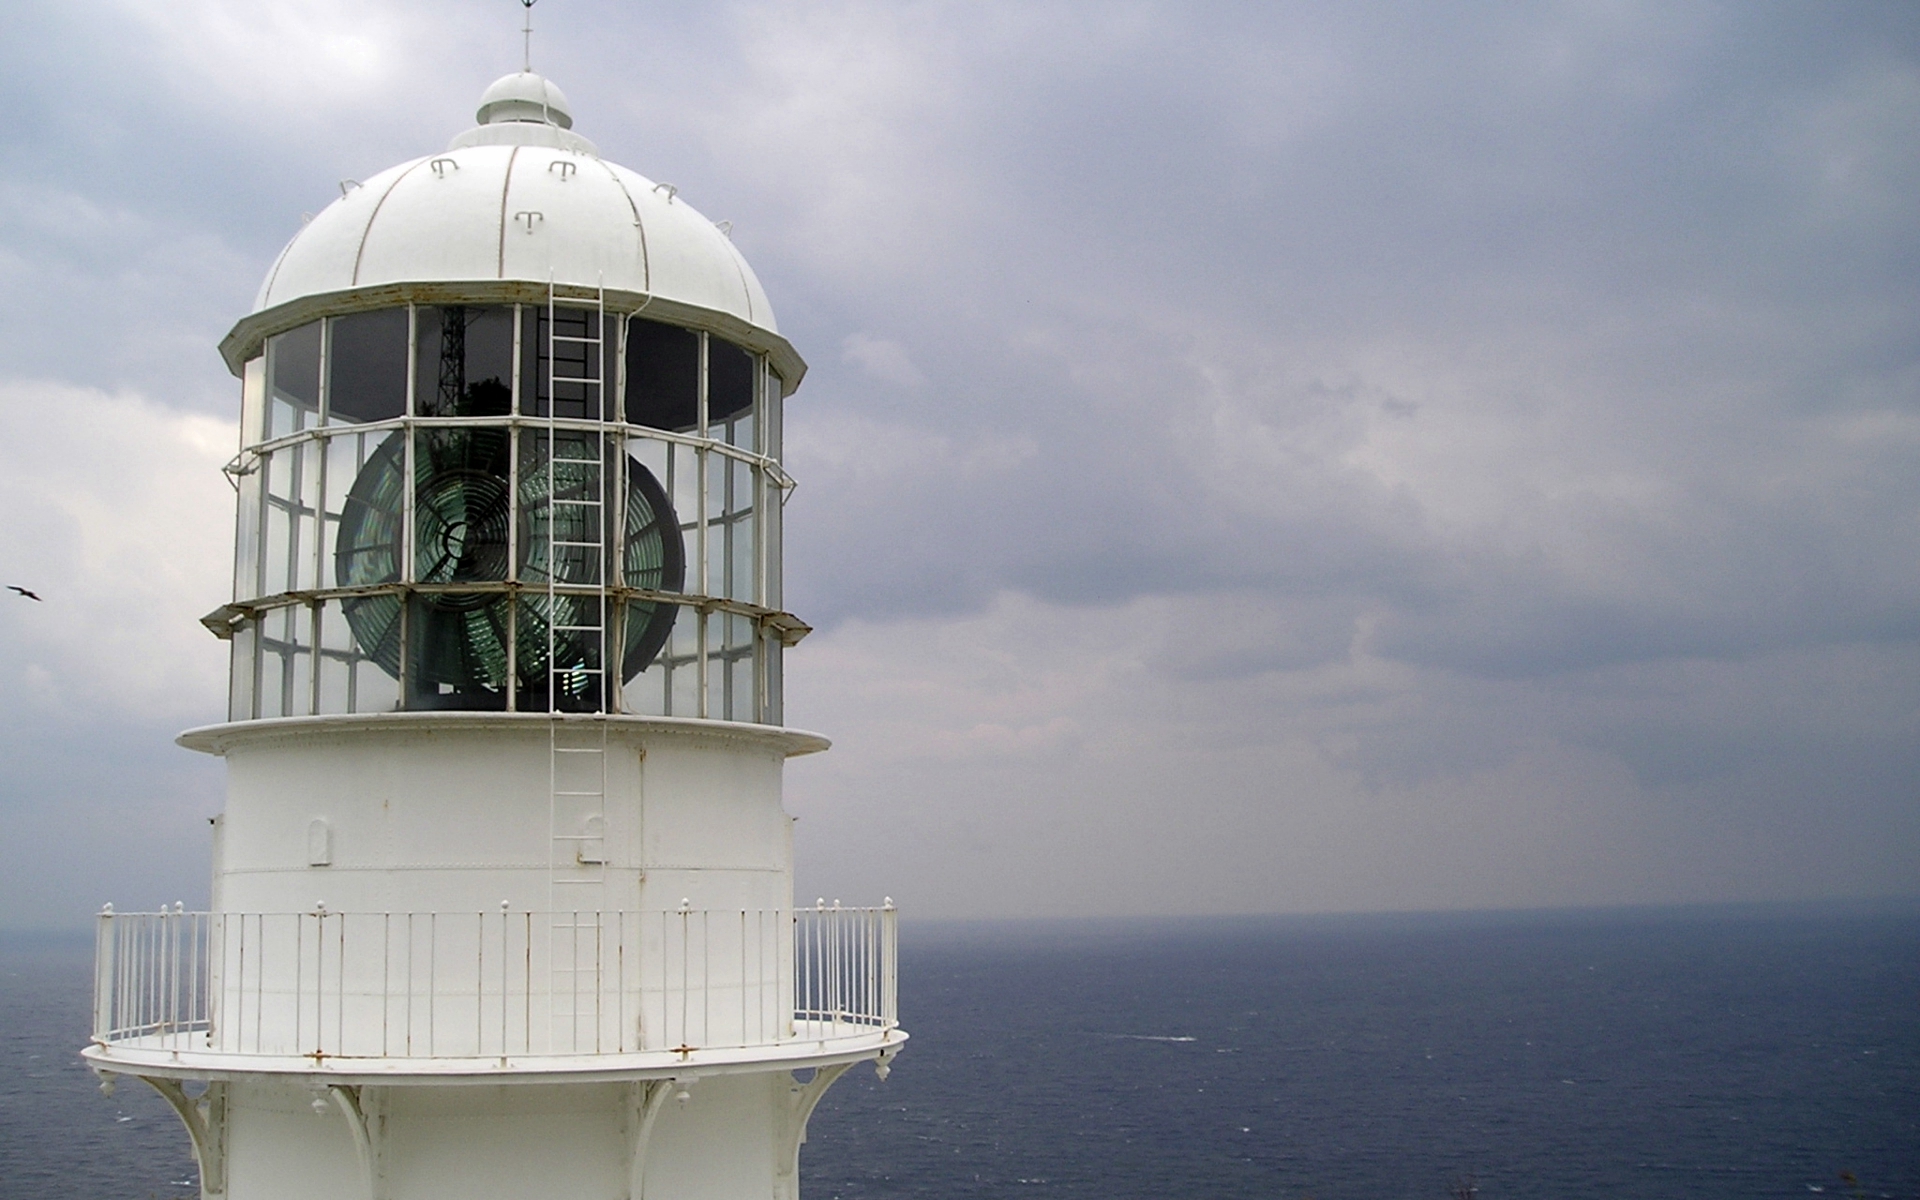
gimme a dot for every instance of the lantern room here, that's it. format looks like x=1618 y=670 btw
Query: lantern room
x=510 y=442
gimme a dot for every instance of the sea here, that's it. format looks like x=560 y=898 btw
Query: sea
x=1694 y=1053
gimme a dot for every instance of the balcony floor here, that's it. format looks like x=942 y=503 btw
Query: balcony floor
x=817 y=1044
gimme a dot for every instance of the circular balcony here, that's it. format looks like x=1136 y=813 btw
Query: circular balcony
x=500 y=996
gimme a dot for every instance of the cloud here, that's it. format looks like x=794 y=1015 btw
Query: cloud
x=118 y=517
x=1254 y=456
x=885 y=360
x=1044 y=758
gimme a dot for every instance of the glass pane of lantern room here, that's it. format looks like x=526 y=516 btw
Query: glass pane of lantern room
x=729 y=386
x=740 y=672
x=462 y=506
x=770 y=699
x=244 y=667
x=290 y=476
x=680 y=659
x=770 y=402
x=464 y=363
x=364 y=492
x=559 y=652
x=359 y=654
x=253 y=399
x=246 y=547
x=561 y=356
x=334 y=665
x=293 y=372
x=740 y=559
x=457 y=649
x=663 y=375
x=645 y=693
x=367 y=367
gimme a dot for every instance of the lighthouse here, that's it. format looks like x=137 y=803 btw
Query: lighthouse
x=502 y=897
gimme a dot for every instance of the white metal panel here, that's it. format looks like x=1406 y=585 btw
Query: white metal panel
x=320 y=257
x=691 y=259
x=451 y=812
x=584 y=232
x=439 y=219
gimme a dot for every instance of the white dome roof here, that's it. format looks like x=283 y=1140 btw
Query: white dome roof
x=513 y=204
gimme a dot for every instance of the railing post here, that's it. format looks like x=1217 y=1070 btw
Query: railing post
x=686 y=966
x=506 y=982
x=103 y=975
x=837 y=962
x=889 y=964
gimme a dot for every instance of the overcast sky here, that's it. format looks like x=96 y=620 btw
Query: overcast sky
x=1256 y=457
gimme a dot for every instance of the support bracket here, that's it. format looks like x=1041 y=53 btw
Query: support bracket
x=648 y=1099
x=801 y=1101
x=205 y=1117
x=353 y=1103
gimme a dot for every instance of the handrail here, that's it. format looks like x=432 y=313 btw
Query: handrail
x=492 y=984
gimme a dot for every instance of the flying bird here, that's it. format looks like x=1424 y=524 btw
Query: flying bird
x=24 y=592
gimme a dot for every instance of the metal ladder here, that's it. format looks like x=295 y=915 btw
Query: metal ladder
x=576 y=744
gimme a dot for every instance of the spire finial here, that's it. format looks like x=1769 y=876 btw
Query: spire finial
x=526 y=37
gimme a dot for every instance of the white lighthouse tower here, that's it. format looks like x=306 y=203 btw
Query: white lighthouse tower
x=503 y=890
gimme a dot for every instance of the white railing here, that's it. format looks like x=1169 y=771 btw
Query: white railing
x=492 y=984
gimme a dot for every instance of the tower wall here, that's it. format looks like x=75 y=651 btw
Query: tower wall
x=426 y=813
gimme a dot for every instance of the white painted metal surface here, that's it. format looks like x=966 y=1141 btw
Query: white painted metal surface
x=525 y=200
x=474 y=954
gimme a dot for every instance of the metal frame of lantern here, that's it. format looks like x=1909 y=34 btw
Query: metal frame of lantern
x=289 y=604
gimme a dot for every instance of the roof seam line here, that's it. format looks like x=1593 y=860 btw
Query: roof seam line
x=646 y=264
x=360 y=252
x=266 y=293
x=506 y=185
x=746 y=291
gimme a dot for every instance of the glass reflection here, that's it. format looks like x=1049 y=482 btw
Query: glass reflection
x=729 y=381
x=566 y=363
x=293 y=371
x=464 y=362
x=663 y=375
x=367 y=366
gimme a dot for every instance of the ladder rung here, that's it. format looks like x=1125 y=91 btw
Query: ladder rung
x=567 y=337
